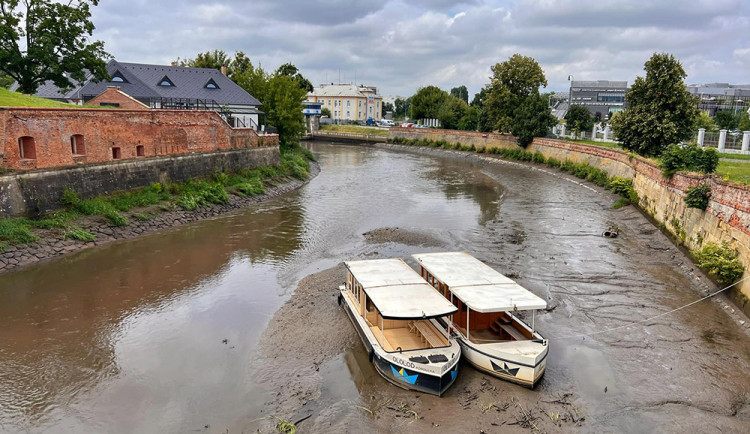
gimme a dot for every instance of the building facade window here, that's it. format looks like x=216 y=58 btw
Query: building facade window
x=140 y=151
x=116 y=153
x=27 y=148
x=77 y=144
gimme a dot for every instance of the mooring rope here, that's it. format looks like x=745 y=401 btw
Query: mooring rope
x=629 y=324
x=653 y=317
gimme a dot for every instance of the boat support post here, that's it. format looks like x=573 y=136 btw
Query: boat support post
x=468 y=338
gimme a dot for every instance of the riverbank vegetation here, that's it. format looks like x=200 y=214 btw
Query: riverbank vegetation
x=189 y=195
x=720 y=261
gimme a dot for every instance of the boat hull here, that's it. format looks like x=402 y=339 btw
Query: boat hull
x=397 y=369
x=505 y=365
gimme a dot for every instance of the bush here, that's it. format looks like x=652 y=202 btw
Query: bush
x=553 y=162
x=697 y=197
x=720 y=261
x=621 y=202
x=251 y=188
x=538 y=158
x=689 y=157
x=620 y=185
x=69 y=197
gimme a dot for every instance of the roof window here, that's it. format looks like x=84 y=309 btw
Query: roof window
x=166 y=82
x=117 y=77
x=211 y=84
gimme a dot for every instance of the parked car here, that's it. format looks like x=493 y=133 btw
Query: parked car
x=370 y=122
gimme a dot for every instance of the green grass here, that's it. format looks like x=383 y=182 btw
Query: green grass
x=734 y=156
x=595 y=143
x=188 y=195
x=735 y=171
x=354 y=129
x=15 y=99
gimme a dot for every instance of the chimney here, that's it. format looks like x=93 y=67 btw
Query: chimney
x=224 y=69
x=174 y=63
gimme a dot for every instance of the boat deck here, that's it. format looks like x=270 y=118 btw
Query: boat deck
x=487 y=336
x=417 y=335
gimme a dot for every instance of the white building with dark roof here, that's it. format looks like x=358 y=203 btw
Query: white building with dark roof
x=349 y=102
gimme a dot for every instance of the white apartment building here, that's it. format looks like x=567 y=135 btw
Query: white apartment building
x=349 y=102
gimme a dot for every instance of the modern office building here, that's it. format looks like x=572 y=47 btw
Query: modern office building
x=721 y=96
x=349 y=102
x=601 y=97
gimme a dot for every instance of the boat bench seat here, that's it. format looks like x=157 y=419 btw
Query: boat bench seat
x=513 y=332
x=428 y=333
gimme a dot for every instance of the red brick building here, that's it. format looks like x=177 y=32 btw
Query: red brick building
x=36 y=138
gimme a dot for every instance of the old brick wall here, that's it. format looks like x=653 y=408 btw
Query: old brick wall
x=114 y=97
x=726 y=219
x=39 y=191
x=116 y=134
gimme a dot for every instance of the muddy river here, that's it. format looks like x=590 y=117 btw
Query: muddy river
x=231 y=324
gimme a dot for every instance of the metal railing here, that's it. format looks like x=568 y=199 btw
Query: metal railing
x=229 y=115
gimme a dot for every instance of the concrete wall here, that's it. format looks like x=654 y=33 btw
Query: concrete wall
x=152 y=132
x=39 y=191
x=726 y=219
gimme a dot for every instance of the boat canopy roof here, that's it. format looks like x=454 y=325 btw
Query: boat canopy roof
x=397 y=291
x=477 y=284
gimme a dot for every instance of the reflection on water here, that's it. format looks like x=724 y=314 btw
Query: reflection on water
x=130 y=336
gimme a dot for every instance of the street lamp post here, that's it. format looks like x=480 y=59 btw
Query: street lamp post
x=570 y=92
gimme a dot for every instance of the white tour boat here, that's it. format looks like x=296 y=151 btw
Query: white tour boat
x=394 y=312
x=492 y=336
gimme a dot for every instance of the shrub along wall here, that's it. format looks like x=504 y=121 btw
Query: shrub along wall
x=726 y=219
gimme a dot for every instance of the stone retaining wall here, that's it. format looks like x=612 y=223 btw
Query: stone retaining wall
x=726 y=219
x=35 y=192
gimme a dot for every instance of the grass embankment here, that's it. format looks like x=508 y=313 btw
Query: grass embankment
x=15 y=99
x=187 y=195
x=735 y=171
x=595 y=143
x=355 y=129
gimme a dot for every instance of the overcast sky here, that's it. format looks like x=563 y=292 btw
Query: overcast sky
x=400 y=45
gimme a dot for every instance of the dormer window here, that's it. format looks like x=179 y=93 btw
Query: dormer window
x=166 y=82
x=117 y=77
x=211 y=84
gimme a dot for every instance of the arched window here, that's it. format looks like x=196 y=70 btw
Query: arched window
x=211 y=84
x=117 y=77
x=77 y=144
x=166 y=82
x=27 y=148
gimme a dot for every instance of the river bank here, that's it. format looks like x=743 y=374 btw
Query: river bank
x=50 y=244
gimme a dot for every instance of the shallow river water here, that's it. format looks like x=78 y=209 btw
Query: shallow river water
x=161 y=333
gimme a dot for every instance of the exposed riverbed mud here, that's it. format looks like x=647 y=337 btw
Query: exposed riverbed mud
x=311 y=333
x=402 y=236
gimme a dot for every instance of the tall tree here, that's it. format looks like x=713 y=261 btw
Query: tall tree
x=292 y=72
x=660 y=110
x=253 y=79
x=43 y=40
x=402 y=107
x=461 y=92
x=451 y=112
x=579 y=119
x=532 y=119
x=727 y=119
x=387 y=107
x=426 y=103
x=5 y=80
x=470 y=121
x=511 y=83
x=210 y=59
x=283 y=106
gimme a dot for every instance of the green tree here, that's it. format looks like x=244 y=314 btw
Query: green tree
x=532 y=119
x=402 y=107
x=426 y=103
x=479 y=97
x=705 y=121
x=292 y=72
x=387 y=107
x=744 y=122
x=253 y=80
x=461 y=92
x=451 y=112
x=43 y=40
x=660 y=110
x=470 y=120
x=727 y=120
x=5 y=80
x=325 y=111
x=283 y=106
x=210 y=59
x=579 y=119
x=511 y=83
